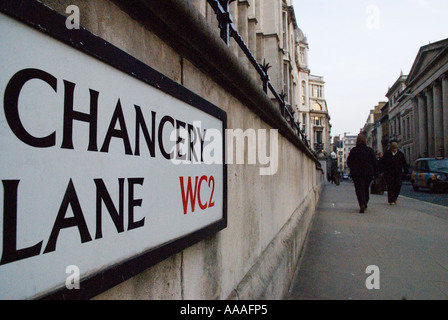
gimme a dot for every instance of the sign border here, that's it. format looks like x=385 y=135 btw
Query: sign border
x=41 y=17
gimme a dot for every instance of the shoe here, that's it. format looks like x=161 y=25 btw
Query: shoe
x=362 y=209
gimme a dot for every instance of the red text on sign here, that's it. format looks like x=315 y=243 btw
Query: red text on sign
x=191 y=194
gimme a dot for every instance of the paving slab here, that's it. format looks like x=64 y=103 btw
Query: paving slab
x=407 y=242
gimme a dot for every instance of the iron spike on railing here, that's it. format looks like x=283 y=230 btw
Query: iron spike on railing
x=265 y=78
x=283 y=96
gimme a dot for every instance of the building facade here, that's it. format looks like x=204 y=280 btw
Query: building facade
x=312 y=111
x=372 y=128
x=427 y=92
x=270 y=29
x=400 y=116
x=348 y=143
x=418 y=105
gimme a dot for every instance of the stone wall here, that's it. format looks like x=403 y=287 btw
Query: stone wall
x=268 y=216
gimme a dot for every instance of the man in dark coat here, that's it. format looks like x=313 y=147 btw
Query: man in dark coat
x=394 y=165
x=363 y=167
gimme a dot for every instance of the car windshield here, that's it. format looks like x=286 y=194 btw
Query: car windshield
x=438 y=164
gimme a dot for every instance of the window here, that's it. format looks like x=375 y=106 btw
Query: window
x=409 y=128
x=318 y=136
x=405 y=130
x=285 y=23
x=317 y=121
x=303 y=92
x=286 y=81
x=302 y=55
x=435 y=165
x=317 y=106
x=315 y=91
x=304 y=121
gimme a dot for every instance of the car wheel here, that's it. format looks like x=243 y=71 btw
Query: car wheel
x=432 y=186
x=415 y=187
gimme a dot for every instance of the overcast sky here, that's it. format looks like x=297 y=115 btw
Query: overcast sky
x=360 y=47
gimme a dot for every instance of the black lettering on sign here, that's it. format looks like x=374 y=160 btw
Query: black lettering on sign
x=70 y=115
x=70 y=199
x=117 y=129
x=11 y=105
x=11 y=253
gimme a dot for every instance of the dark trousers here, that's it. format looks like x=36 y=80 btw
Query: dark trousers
x=362 y=188
x=393 y=186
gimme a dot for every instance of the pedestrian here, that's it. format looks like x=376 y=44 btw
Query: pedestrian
x=394 y=165
x=363 y=167
x=334 y=168
x=378 y=185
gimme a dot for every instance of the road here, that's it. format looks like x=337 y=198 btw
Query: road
x=440 y=198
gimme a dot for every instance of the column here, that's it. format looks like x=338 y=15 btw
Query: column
x=415 y=130
x=423 y=129
x=243 y=29
x=233 y=10
x=252 y=43
x=438 y=118
x=430 y=115
x=445 y=112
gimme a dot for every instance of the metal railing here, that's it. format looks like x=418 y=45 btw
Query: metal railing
x=228 y=31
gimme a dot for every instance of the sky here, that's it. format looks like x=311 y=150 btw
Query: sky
x=360 y=47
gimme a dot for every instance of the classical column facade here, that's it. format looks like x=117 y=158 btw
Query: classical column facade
x=430 y=125
x=445 y=112
x=415 y=129
x=423 y=129
x=438 y=118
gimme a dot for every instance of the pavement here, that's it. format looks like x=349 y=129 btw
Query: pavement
x=406 y=247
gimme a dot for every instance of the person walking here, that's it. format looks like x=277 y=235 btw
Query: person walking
x=363 y=167
x=334 y=176
x=394 y=165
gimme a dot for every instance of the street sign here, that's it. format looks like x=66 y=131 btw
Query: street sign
x=102 y=170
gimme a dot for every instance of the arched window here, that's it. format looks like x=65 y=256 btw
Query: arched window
x=317 y=106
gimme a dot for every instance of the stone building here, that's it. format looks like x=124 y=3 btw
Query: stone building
x=270 y=29
x=348 y=143
x=427 y=86
x=400 y=116
x=384 y=126
x=312 y=111
x=372 y=128
x=377 y=130
x=418 y=105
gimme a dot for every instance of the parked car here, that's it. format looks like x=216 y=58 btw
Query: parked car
x=430 y=173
